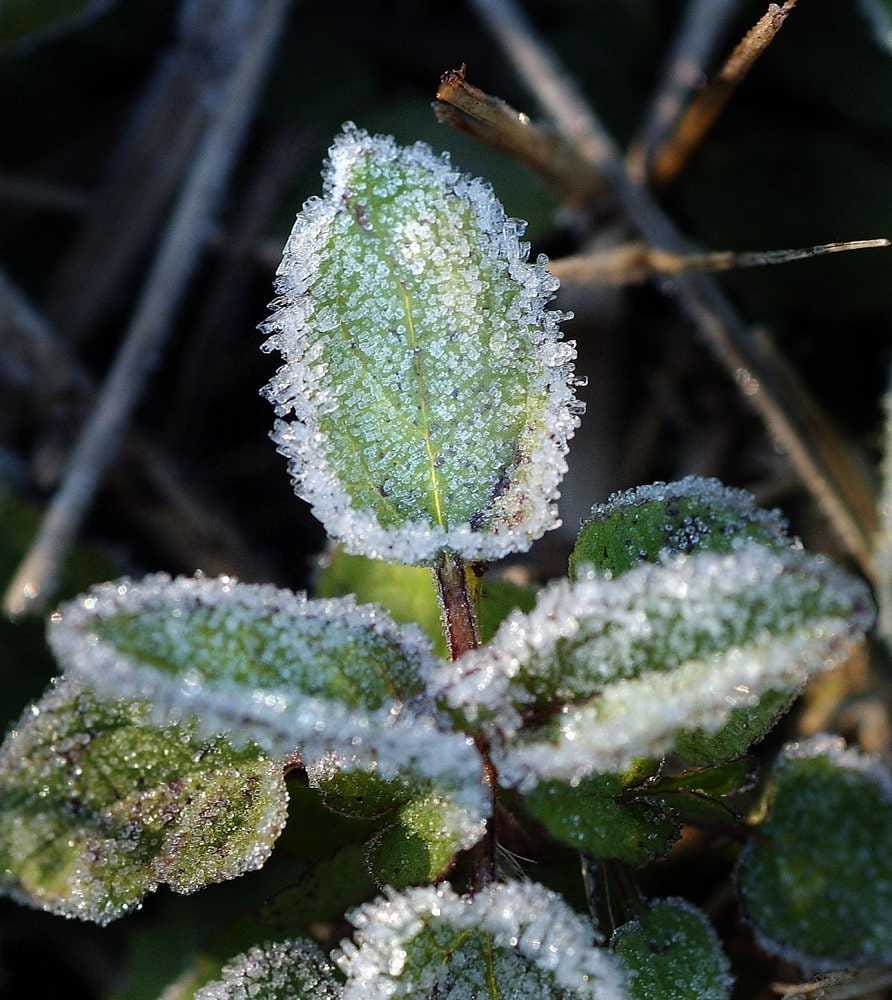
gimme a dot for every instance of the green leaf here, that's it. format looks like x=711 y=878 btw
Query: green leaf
x=590 y=818
x=284 y=970
x=356 y=793
x=37 y=19
x=409 y=593
x=420 y=845
x=426 y=395
x=510 y=940
x=323 y=893
x=817 y=879
x=744 y=728
x=605 y=671
x=99 y=807
x=673 y=954
x=265 y=664
x=725 y=779
x=690 y=515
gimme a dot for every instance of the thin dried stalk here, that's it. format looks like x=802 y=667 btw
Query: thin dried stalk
x=696 y=44
x=148 y=331
x=495 y=123
x=203 y=535
x=823 y=460
x=704 y=110
x=634 y=263
x=837 y=985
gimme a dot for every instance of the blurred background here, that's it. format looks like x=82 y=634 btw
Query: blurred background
x=106 y=111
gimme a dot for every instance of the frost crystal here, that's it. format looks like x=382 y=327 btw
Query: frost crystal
x=264 y=664
x=515 y=940
x=98 y=807
x=663 y=647
x=285 y=970
x=426 y=397
x=817 y=883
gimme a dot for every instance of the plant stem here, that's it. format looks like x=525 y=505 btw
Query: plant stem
x=458 y=601
x=458 y=587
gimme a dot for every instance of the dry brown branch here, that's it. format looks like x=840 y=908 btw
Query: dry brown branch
x=824 y=461
x=468 y=109
x=704 y=110
x=145 y=338
x=699 y=35
x=837 y=985
x=634 y=263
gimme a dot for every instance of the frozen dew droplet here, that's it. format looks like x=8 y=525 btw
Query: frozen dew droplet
x=426 y=399
x=514 y=940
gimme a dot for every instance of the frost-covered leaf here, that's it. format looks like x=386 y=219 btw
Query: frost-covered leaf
x=426 y=397
x=744 y=728
x=590 y=817
x=420 y=844
x=604 y=671
x=265 y=664
x=673 y=953
x=690 y=515
x=425 y=826
x=817 y=881
x=282 y=970
x=511 y=940
x=98 y=806
x=36 y=20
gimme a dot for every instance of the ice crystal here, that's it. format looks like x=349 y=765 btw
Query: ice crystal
x=664 y=647
x=98 y=806
x=264 y=664
x=283 y=970
x=426 y=398
x=515 y=940
x=686 y=516
x=817 y=883
x=673 y=953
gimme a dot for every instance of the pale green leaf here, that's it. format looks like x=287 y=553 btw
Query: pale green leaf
x=98 y=806
x=426 y=395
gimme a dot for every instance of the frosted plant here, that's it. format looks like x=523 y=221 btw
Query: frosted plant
x=426 y=397
x=288 y=970
x=201 y=725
